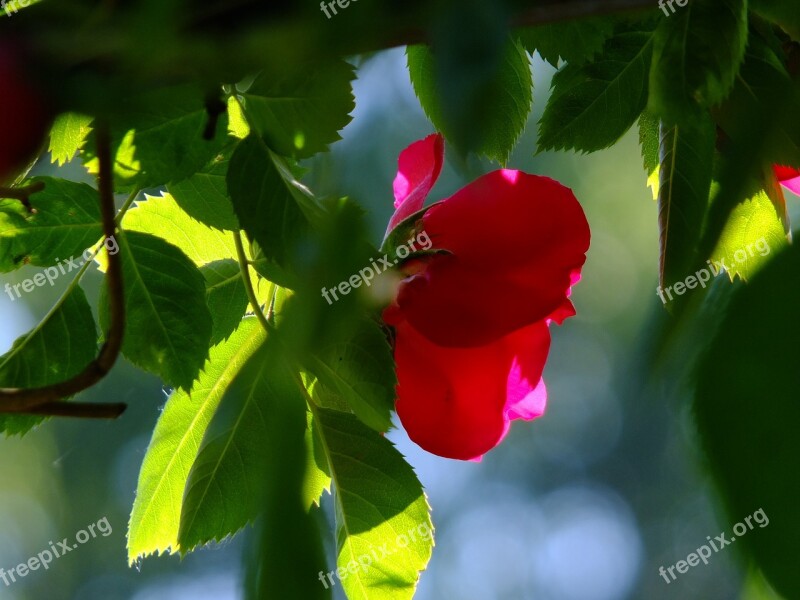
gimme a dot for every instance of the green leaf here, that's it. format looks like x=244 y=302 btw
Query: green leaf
x=264 y=201
x=61 y=346
x=755 y=230
x=156 y=514
x=68 y=135
x=483 y=109
x=574 y=41
x=226 y=297
x=649 y=141
x=65 y=224
x=159 y=137
x=161 y=216
x=168 y=326
x=380 y=506
x=289 y=539
x=357 y=372
x=697 y=54
x=593 y=105
x=763 y=111
x=204 y=195
x=746 y=408
x=762 y=125
x=226 y=484
x=687 y=155
x=783 y=13
x=317 y=473
x=300 y=114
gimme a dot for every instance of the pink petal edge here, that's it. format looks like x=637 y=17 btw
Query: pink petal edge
x=419 y=167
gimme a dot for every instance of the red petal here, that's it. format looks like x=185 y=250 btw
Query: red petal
x=789 y=178
x=784 y=173
x=457 y=402
x=518 y=244
x=419 y=166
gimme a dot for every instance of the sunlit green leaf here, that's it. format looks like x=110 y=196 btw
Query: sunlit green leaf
x=58 y=348
x=754 y=232
x=382 y=515
x=65 y=224
x=155 y=518
x=68 y=135
x=161 y=216
x=226 y=484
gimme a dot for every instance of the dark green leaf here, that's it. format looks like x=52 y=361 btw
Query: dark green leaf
x=687 y=154
x=168 y=324
x=574 y=41
x=204 y=195
x=290 y=556
x=747 y=409
x=697 y=54
x=781 y=12
x=226 y=297
x=300 y=114
x=159 y=137
x=357 y=372
x=763 y=110
x=264 y=200
x=483 y=108
x=593 y=105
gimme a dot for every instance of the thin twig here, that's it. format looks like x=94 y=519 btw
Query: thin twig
x=248 y=284
x=46 y=400
x=23 y=194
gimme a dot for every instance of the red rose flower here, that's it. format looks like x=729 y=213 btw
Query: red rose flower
x=24 y=116
x=789 y=178
x=472 y=323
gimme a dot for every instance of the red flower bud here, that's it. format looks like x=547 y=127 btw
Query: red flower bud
x=24 y=114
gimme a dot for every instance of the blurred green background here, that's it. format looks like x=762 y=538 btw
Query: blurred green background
x=584 y=504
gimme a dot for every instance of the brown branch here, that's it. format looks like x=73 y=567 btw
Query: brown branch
x=578 y=9
x=46 y=400
x=23 y=194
